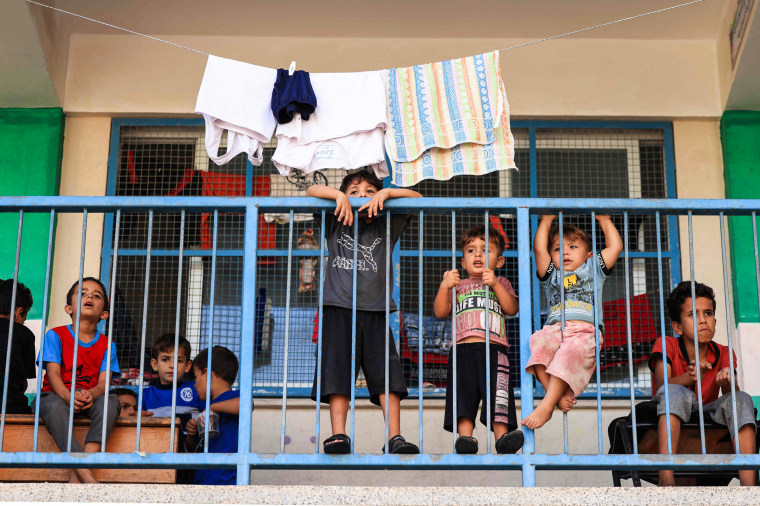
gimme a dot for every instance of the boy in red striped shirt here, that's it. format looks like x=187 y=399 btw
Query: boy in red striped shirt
x=91 y=374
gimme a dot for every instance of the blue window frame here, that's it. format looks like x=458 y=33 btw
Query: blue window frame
x=540 y=145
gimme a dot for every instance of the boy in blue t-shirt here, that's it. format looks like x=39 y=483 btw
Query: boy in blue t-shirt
x=226 y=403
x=157 y=398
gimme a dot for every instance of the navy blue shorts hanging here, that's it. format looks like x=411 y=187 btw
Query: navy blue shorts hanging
x=292 y=94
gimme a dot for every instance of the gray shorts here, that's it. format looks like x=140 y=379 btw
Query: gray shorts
x=683 y=404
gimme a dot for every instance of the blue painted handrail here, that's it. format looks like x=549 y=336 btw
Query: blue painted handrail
x=243 y=461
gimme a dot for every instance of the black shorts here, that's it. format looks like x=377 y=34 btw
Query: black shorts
x=471 y=385
x=370 y=355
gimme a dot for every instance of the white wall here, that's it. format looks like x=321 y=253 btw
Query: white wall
x=83 y=172
x=582 y=432
x=124 y=74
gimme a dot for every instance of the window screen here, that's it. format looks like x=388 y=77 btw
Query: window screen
x=171 y=161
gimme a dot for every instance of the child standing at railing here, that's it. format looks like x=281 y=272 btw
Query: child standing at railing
x=471 y=345
x=370 y=301
x=91 y=385
x=563 y=360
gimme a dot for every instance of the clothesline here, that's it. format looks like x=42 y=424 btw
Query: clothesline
x=594 y=27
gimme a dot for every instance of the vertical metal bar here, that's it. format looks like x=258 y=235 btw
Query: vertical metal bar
x=76 y=332
x=110 y=329
x=662 y=336
x=144 y=327
x=320 y=309
x=45 y=300
x=386 y=387
x=698 y=386
x=287 y=336
x=525 y=304
x=487 y=331
x=729 y=330
x=627 y=265
x=11 y=324
x=757 y=256
x=597 y=345
x=180 y=260
x=454 y=419
x=247 y=329
x=353 y=328
x=211 y=315
x=561 y=239
x=420 y=369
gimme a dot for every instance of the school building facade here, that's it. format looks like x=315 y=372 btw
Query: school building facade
x=660 y=107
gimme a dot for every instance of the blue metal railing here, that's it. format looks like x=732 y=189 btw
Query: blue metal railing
x=529 y=461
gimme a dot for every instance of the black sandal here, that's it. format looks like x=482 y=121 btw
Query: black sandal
x=337 y=444
x=400 y=446
x=466 y=445
x=510 y=442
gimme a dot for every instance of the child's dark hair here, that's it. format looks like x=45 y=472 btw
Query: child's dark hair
x=124 y=391
x=73 y=290
x=682 y=292
x=568 y=232
x=358 y=177
x=165 y=344
x=224 y=363
x=479 y=232
x=23 y=297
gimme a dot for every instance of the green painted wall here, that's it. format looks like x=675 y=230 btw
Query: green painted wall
x=31 y=142
x=740 y=136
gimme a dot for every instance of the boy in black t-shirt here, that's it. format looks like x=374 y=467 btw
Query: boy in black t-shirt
x=369 y=250
x=22 y=347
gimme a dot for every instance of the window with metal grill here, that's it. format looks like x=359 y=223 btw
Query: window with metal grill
x=164 y=159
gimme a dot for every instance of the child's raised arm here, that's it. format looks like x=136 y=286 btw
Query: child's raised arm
x=442 y=304
x=343 y=206
x=541 y=244
x=613 y=242
x=376 y=203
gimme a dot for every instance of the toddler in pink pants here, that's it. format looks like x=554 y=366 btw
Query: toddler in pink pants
x=564 y=359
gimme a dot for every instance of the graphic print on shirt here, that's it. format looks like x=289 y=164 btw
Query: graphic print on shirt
x=186 y=394
x=471 y=314
x=348 y=242
x=577 y=298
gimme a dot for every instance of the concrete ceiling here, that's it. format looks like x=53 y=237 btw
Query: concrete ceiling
x=24 y=77
x=397 y=18
x=745 y=90
x=25 y=74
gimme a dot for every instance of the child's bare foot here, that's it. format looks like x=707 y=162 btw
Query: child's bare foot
x=86 y=476
x=73 y=477
x=539 y=417
x=667 y=479
x=566 y=402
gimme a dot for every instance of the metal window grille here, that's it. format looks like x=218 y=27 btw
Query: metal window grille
x=566 y=161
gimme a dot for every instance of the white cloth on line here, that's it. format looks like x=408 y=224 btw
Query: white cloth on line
x=235 y=97
x=347 y=103
x=359 y=149
x=344 y=132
